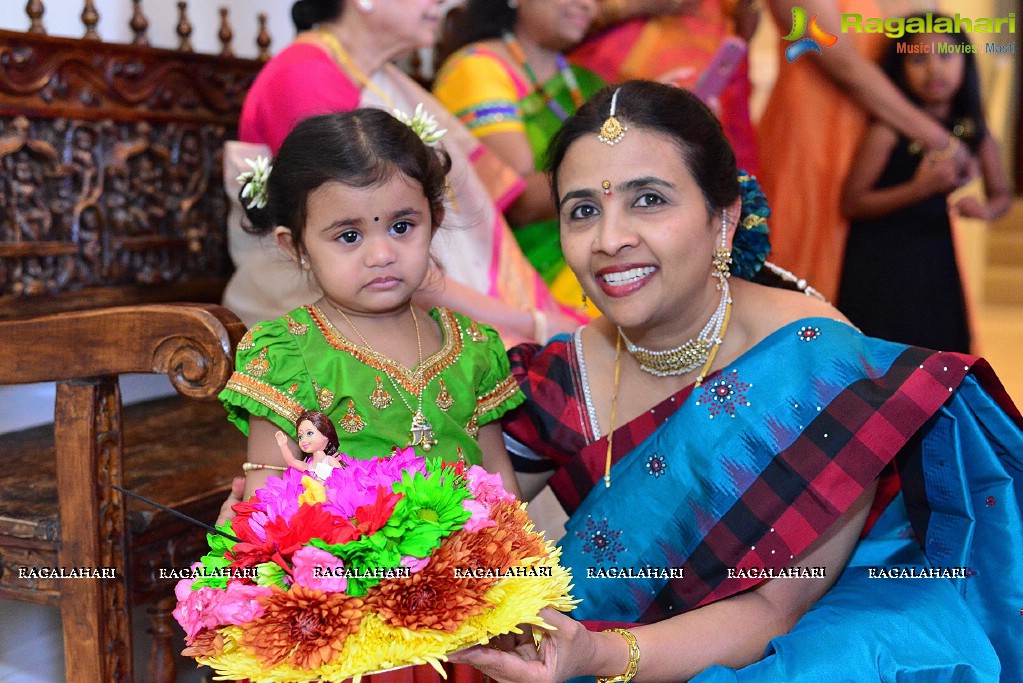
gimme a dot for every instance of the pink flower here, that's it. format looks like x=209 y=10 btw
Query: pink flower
x=196 y=610
x=487 y=488
x=318 y=570
x=480 y=515
x=414 y=563
x=355 y=484
x=239 y=604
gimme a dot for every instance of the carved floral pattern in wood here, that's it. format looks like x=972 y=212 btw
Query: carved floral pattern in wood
x=110 y=164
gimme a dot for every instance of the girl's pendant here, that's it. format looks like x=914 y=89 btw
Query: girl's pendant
x=421 y=432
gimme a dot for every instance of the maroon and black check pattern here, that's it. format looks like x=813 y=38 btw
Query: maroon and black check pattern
x=799 y=495
x=810 y=484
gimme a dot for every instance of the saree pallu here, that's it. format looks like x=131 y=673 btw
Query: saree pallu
x=746 y=471
x=651 y=47
x=486 y=93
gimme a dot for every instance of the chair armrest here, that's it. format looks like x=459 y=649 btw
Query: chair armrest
x=192 y=343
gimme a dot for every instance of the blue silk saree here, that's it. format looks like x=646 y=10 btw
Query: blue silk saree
x=725 y=484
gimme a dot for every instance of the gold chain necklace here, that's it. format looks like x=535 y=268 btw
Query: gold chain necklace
x=345 y=60
x=691 y=355
x=420 y=431
x=614 y=407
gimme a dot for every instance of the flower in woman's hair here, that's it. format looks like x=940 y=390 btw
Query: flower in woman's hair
x=254 y=182
x=751 y=244
x=206 y=643
x=422 y=124
x=319 y=570
x=305 y=627
x=240 y=603
x=434 y=598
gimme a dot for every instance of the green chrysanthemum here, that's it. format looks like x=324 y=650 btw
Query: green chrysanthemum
x=214 y=562
x=270 y=574
x=430 y=511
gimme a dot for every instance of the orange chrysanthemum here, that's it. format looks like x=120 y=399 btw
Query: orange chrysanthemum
x=434 y=597
x=513 y=521
x=305 y=627
x=207 y=643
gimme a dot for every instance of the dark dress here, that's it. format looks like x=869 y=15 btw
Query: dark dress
x=900 y=280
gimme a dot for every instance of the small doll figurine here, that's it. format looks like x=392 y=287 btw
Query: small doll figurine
x=317 y=438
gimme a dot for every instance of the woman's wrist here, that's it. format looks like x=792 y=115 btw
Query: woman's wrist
x=615 y=656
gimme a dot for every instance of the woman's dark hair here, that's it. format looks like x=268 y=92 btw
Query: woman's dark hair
x=672 y=112
x=478 y=20
x=325 y=427
x=359 y=148
x=967 y=109
x=307 y=13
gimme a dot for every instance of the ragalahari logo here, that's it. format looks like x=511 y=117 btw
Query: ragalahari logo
x=817 y=38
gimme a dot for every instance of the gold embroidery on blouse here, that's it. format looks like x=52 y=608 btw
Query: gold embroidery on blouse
x=267 y=395
x=444 y=400
x=246 y=343
x=352 y=422
x=258 y=366
x=476 y=334
x=324 y=397
x=473 y=428
x=505 y=390
x=380 y=399
x=410 y=380
x=296 y=328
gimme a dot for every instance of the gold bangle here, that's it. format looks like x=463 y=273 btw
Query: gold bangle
x=630 y=673
x=252 y=466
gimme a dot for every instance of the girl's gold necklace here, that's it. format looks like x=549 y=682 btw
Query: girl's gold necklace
x=420 y=431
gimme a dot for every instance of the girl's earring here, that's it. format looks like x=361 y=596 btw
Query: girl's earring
x=366 y=5
x=586 y=302
x=721 y=264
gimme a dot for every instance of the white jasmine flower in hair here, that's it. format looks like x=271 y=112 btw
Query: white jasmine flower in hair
x=254 y=182
x=422 y=124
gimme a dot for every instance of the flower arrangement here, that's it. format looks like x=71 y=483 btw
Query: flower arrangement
x=389 y=562
x=751 y=244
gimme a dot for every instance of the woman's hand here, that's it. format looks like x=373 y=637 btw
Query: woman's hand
x=514 y=658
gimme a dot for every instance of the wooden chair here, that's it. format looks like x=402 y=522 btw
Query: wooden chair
x=111 y=194
x=58 y=508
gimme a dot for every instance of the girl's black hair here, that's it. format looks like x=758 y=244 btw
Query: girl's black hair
x=672 y=112
x=967 y=109
x=479 y=20
x=307 y=13
x=359 y=148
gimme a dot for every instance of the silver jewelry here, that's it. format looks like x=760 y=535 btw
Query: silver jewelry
x=366 y=5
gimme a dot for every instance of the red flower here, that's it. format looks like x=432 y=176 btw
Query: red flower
x=283 y=538
x=374 y=515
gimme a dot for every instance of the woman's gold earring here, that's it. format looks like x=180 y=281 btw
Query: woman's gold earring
x=586 y=302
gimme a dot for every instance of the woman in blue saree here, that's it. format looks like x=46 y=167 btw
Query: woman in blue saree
x=787 y=499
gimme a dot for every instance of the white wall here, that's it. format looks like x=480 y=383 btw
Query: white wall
x=63 y=18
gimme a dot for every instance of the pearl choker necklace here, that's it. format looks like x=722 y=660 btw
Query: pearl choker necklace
x=691 y=355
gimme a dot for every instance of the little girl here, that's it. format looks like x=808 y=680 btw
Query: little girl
x=354 y=198
x=900 y=280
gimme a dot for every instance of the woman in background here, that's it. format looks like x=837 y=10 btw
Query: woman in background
x=511 y=85
x=814 y=120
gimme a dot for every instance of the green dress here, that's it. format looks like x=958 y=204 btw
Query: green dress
x=300 y=361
